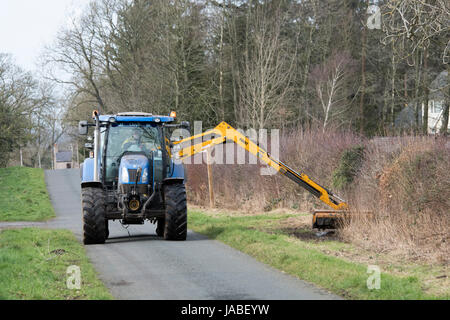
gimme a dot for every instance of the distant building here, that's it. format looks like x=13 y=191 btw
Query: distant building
x=436 y=100
x=436 y=103
x=63 y=159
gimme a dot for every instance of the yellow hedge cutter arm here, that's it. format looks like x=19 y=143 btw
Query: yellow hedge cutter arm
x=324 y=219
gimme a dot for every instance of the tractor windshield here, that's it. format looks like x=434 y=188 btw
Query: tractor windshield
x=133 y=138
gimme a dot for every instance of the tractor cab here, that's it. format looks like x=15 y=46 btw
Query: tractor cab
x=130 y=146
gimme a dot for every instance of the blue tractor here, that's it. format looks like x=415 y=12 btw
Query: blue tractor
x=132 y=176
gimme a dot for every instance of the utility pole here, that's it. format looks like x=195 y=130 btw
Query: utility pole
x=21 y=157
x=54 y=157
x=210 y=182
x=71 y=148
x=78 y=157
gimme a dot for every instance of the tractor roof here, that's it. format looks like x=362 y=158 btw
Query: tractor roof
x=136 y=117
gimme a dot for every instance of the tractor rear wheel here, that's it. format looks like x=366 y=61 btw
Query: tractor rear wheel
x=176 y=212
x=95 y=229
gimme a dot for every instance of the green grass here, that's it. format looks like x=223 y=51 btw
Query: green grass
x=23 y=195
x=33 y=265
x=301 y=259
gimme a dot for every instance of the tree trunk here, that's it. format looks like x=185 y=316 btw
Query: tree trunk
x=405 y=86
x=306 y=72
x=363 y=78
x=417 y=91
x=177 y=92
x=445 y=116
x=394 y=69
x=385 y=111
x=426 y=93
x=446 y=111
x=221 y=99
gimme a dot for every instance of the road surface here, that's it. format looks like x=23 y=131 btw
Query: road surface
x=144 y=266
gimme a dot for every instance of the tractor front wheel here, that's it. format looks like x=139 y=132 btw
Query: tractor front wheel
x=176 y=212
x=95 y=230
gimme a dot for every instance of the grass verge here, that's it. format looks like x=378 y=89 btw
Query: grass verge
x=34 y=262
x=23 y=195
x=259 y=236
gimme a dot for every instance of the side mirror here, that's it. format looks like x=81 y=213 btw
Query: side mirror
x=89 y=146
x=83 y=128
x=186 y=125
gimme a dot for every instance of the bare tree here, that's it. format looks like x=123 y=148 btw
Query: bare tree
x=329 y=81
x=74 y=59
x=268 y=68
x=16 y=107
x=414 y=25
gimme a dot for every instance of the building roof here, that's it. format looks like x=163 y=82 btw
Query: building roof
x=405 y=118
x=64 y=156
x=437 y=86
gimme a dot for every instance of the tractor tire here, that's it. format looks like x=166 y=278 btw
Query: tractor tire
x=160 y=224
x=175 y=227
x=95 y=229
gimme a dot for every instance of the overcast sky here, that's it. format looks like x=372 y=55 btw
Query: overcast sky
x=27 y=25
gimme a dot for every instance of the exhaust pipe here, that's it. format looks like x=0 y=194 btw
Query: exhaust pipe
x=149 y=200
x=96 y=145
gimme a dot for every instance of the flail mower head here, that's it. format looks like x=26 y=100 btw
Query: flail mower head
x=334 y=219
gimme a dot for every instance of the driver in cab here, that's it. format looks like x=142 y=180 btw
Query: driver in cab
x=133 y=140
x=134 y=143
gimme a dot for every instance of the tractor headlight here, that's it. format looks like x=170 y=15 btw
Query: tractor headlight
x=125 y=177
x=145 y=176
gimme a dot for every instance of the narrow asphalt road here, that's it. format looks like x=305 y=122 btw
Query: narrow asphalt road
x=144 y=266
